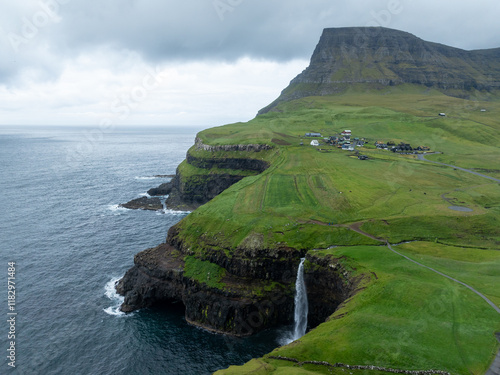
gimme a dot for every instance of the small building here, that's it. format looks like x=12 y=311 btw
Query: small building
x=483 y=110
x=348 y=147
x=346 y=132
x=314 y=143
x=313 y=135
x=362 y=157
x=442 y=114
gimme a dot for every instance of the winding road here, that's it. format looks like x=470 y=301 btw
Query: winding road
x=356 y=227
x=495 y=366
x=422 y=158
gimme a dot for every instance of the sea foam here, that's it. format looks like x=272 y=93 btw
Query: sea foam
x=116 y=299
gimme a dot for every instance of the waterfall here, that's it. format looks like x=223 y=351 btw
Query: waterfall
x=301 y=305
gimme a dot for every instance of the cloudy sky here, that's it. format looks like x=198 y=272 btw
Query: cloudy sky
x=191 y=62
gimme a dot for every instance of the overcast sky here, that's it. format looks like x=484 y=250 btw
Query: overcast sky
x=191 y=62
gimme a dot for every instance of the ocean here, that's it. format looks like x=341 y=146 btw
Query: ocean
x=68 y=241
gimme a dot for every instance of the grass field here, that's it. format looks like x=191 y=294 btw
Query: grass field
x=407 y=317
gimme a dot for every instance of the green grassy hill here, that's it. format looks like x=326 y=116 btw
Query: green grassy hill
x=311 y=198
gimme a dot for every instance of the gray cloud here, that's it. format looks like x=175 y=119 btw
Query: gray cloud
x=161 y=30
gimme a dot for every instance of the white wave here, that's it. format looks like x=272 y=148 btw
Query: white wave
x=110 y=292
x=145 y=178
x=168 y=211
x=145 y=195
x=114 y=311
x=116 y=208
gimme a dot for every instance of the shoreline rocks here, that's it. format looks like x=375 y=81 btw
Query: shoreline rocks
x=144 y=203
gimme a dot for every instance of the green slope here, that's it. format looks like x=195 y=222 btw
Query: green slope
x=407 y=317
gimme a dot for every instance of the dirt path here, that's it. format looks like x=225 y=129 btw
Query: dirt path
x=495 y=366
x=356 y=227
x=497 y=309
x=422 y=158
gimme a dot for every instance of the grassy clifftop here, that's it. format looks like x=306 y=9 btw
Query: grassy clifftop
x=305 y=185
x=313 y=198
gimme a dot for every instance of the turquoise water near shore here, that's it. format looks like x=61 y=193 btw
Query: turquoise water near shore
x=60 y=222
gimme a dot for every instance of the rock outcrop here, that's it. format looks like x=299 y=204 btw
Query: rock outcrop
x=328 y=285
x=188 y=191
x=376 y=57
x=240 y=300
x=144 y=203
x=253 y=289
x=162 y=190
x=199 y=145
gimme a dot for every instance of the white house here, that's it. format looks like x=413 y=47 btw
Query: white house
x=314 y=143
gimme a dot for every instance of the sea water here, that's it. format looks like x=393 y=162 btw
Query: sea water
x=61 y=224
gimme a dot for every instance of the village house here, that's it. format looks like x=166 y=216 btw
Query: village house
x=314 y=143
x=402 y=147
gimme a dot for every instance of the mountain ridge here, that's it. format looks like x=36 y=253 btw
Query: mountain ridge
x=376 y=57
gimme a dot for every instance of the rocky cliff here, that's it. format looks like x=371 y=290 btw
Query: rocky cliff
x=208 y=171
x=373 y=58
x=242 y=293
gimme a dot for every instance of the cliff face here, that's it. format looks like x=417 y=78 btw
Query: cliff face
x=243 y=294
x=379 y=57
x=210 y=174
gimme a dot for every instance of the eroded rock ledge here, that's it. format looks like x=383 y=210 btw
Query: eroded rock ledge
x=241 y=147
x=252 y=291
x=189 y=191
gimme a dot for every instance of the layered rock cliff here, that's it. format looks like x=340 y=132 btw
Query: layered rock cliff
x=208 y=171
x=374 y=58
x=242 y=293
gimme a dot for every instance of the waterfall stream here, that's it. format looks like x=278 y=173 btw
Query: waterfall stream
x=301 y=304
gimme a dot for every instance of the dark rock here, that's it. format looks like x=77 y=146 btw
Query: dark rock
x=158 y=277
x=162 y=190
x=248 y=164
x=328 y=284
x=144 y=203
x=188 y=193
x=245 y=304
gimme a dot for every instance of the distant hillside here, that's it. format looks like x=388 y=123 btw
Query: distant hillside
x=372 y=58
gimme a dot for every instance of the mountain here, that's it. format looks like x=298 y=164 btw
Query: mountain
x=376 y=57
